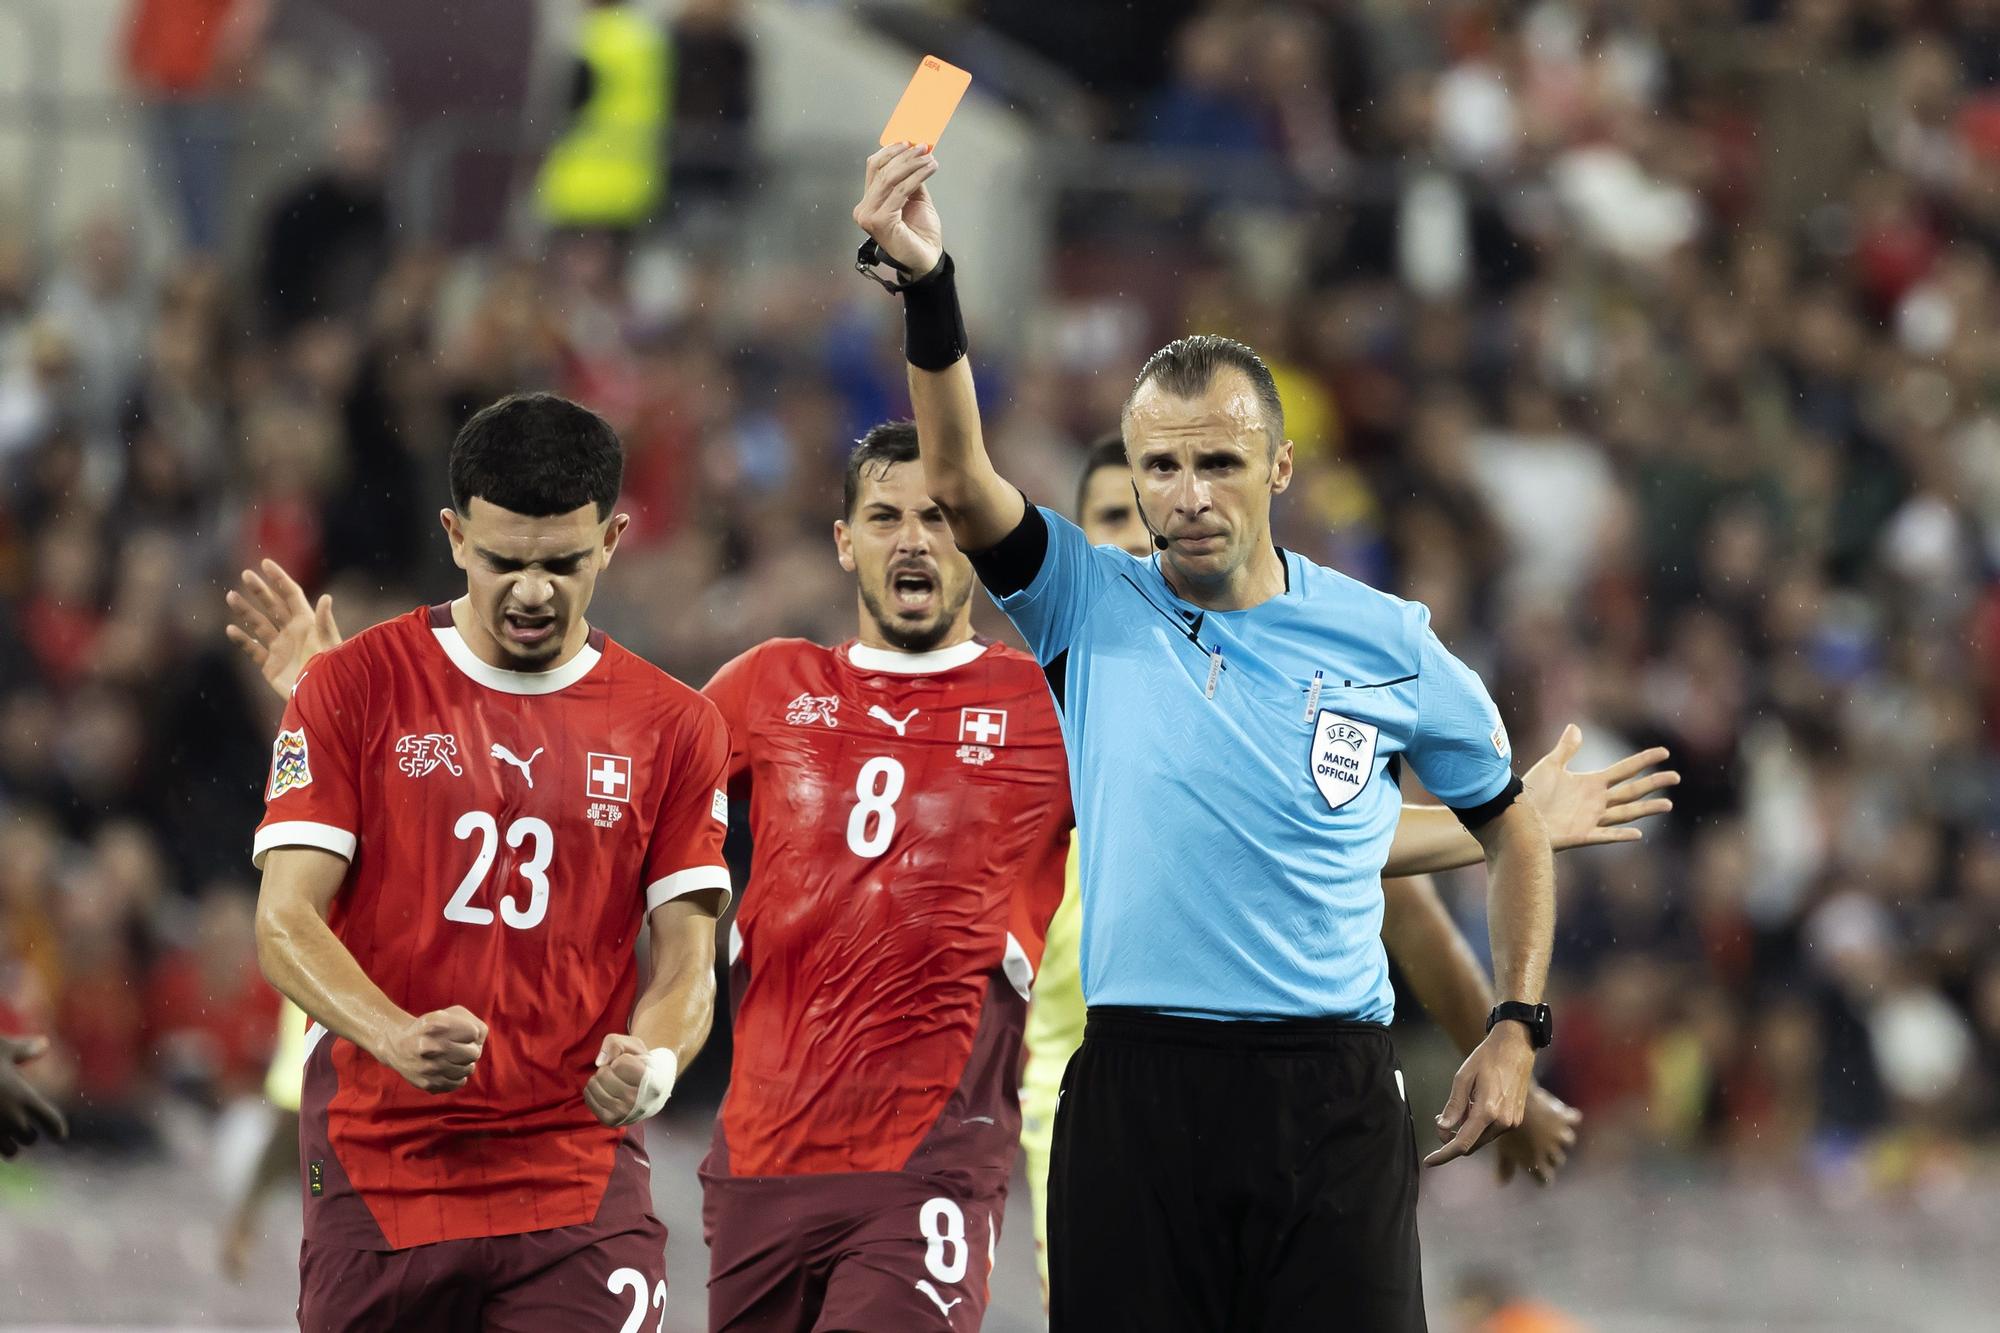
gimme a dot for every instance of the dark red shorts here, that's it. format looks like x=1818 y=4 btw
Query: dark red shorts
x=863 y=1253
x=592 y=1276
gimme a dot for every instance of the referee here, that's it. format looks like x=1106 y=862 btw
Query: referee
x=1232 y=1147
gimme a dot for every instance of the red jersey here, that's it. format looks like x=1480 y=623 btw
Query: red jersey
x=507 y=831
x=910 y=817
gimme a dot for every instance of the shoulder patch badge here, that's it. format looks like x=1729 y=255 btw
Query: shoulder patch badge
x=289 y=767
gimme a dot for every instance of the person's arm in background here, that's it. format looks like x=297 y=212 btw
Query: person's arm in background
x=1446 y=976
x=304 y=959
x=277 y=628
x=25 y=1114
x=1580 y=810
x=897 y=213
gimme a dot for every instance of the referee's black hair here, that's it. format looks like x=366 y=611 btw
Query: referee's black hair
x=1108 y=451
x=1186 y=366
x=888 y=444
x=537 y=454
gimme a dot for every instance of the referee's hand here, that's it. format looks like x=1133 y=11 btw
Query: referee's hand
x=1489 y=1096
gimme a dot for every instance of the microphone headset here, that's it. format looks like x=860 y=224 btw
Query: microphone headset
x=1159 y=542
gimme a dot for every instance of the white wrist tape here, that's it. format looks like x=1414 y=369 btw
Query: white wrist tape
x=655 y=1086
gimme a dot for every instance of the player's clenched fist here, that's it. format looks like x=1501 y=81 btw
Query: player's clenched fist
x=439 y=1050
x=631 y=1082
x=897 y=211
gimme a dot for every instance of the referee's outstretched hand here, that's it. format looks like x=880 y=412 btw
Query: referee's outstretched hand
x=1489 y=1096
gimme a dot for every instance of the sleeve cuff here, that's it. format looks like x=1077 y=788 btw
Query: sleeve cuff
x=1011 y=564
x=302 y=833
x=681 y=883
x=1476 y=817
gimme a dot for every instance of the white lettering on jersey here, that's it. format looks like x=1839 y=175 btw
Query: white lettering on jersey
x=507 y=756
x=974 y=755
x=881 y=714
x=810 y=708
x=425 y=753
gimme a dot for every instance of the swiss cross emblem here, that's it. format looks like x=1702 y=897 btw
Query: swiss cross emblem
x=608 y=777
x=982 y=726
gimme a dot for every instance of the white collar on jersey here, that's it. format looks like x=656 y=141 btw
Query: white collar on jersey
x=914 y=664
x=514 y=682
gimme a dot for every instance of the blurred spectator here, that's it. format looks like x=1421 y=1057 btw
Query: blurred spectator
x=1487 y=1302
x=326 y=242
x=715 y=74
x=604 y=171
x=1652 y=347
x=187 y=59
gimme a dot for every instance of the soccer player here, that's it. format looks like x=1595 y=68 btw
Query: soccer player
x=909 y=815
x=1233 y=1148
x=910 y=810
x=25 y=1114
x=472 y=810
x=1585 y=809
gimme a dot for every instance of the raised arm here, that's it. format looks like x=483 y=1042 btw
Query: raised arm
x=899 y=216
x=1579 y=809
x=277 y=628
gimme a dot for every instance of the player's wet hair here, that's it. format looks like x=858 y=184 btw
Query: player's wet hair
x=537 y=454
x=1107 y=451
x=1186 y=366
x=883 y=447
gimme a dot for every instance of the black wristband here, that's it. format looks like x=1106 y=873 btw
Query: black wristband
x=933 y=327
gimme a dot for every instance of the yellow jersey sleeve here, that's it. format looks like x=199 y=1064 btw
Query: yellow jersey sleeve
x=1055 y=1030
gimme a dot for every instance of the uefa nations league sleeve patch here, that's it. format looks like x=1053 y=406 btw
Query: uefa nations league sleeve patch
x=289 y=769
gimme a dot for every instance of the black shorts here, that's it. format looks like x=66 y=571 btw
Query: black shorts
x=1233 y=1177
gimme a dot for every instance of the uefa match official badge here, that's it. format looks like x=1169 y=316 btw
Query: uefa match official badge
x=1343 y=757
x=289 y=767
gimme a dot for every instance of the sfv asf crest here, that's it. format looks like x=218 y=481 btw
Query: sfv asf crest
x=1343 y=757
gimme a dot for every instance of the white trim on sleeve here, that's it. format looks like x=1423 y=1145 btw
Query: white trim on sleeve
x=1020 y=972
x=302 y=833
x=681 y=883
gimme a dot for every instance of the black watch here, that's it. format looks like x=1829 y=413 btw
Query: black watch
x=1536 y=1018
x=871 y=261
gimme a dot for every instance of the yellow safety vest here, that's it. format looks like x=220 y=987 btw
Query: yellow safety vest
x=606 y=170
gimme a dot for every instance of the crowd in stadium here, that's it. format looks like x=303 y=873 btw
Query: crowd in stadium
x=1663 y=365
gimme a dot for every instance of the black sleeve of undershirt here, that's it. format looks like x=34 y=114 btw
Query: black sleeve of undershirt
x=1479 y=816
x=1011 y=563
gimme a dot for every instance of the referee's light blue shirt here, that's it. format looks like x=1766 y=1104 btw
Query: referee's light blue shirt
x=1232 y=846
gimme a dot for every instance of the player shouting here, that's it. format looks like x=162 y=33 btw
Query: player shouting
x=910 y=812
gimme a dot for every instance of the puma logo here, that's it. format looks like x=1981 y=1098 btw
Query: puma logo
x=881 y=714
x=936 y=1299
x=507 y=756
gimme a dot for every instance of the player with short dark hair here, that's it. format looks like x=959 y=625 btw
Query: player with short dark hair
x=910 y=811
x=473 y=809
x=909 y=816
